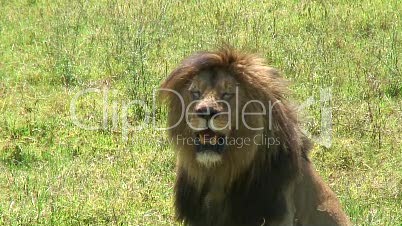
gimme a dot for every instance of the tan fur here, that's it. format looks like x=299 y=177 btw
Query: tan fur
x=316 y=203
x=309 y=200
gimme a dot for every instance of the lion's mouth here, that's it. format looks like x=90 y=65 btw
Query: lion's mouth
x=208 y=140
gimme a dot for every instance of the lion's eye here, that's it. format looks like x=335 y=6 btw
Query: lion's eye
x=195 y=95
x=227 y=96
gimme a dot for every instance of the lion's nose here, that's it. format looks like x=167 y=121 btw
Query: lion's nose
x=206 y=112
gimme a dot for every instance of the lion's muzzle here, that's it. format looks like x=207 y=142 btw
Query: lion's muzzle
x=208 y=140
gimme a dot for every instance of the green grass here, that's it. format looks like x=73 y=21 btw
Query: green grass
x=52 y=172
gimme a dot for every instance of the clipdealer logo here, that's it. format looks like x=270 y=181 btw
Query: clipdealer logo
x=120 y=116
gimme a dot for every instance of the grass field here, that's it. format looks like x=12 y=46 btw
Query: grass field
x=53 y=172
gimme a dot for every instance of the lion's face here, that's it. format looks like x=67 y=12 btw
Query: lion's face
x=217 y=112
x=210 y=113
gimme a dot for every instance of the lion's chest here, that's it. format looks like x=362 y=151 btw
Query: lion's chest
x=214 y=200
x=215 y=207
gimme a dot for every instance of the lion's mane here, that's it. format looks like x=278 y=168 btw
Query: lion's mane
x=254 y=192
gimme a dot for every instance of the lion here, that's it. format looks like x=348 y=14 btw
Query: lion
x=242 y=159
